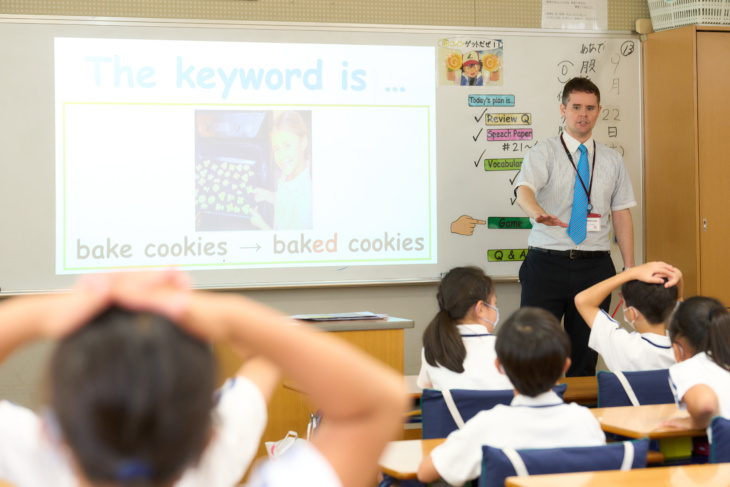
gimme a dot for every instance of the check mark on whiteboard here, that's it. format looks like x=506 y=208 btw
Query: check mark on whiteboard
x=477 y=135
x=479 y=159
x=480 y=116
x=512 y=181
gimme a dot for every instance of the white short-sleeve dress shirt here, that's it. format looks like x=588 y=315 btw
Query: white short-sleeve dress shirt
x=546 y=169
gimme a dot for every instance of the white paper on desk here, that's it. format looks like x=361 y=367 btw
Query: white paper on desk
x=359 y=315
x=402 y=456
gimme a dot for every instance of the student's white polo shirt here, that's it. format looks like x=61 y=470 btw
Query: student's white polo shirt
x=700 y=369
x=628 y=352
x=544 y=421
x=479 y=369
x=28 y=455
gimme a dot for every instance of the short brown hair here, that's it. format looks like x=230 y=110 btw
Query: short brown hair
x=582 y=85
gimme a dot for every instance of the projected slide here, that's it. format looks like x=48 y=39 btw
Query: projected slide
x=210 y=155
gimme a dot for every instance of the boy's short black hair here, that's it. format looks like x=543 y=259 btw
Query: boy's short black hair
x=581 y=85
x=655 y=301
x=532 y=348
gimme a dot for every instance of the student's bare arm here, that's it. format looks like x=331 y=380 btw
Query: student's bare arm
x=260 y=370
x=27 y=318
x=702 y=406
x=362 y=400
x=427 y=471
x=588 y=302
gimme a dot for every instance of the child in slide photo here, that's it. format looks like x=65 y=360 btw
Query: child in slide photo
x=292 y=200
x=131 y=396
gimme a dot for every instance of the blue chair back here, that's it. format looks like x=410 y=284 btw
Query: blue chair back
x=497 y=466
x=650 y=387
x=720 y=444
x=436 y=420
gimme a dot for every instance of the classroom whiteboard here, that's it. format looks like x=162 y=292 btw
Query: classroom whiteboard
x=455 y=153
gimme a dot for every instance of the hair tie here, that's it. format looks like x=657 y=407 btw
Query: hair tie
x=130 y=470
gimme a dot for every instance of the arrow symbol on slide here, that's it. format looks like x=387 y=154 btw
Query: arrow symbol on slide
x=477 y=136
x=476 y=163
x=258 y=247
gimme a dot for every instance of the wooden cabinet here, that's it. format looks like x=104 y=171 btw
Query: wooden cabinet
x=687 y=163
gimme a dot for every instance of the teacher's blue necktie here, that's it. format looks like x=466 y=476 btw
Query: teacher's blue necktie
x=579 y=215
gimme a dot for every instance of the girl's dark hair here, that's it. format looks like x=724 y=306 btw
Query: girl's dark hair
x=532 y=348
x=460 y=290
x=133 y=396
x=705 y=324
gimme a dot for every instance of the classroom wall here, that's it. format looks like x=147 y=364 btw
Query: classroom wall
x=20 y=376
x=622 y=14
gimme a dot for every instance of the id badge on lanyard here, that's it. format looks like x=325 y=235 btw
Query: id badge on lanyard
x=594 y=222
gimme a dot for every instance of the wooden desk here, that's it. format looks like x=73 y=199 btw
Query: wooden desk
x=685 y=476
x=581 y=390
x=288 y=409
x=643 y=421
x=401 y=459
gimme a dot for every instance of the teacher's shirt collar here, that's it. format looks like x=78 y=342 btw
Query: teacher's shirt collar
x=572 y=144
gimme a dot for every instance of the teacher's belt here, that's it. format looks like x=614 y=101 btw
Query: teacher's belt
x=572 y=254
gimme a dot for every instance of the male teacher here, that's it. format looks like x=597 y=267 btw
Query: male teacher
x=569 y=186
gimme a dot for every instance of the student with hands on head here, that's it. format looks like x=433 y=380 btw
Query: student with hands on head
x=650 y=294
x=700 y=334
x=129 y=411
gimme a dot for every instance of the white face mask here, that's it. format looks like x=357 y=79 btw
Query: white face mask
x=494 y=323
x=630 y=322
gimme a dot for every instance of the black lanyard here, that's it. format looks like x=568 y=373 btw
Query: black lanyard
x=590 y=183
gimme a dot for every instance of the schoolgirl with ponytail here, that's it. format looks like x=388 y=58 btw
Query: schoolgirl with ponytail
x=700 y=334
x=458 y=344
